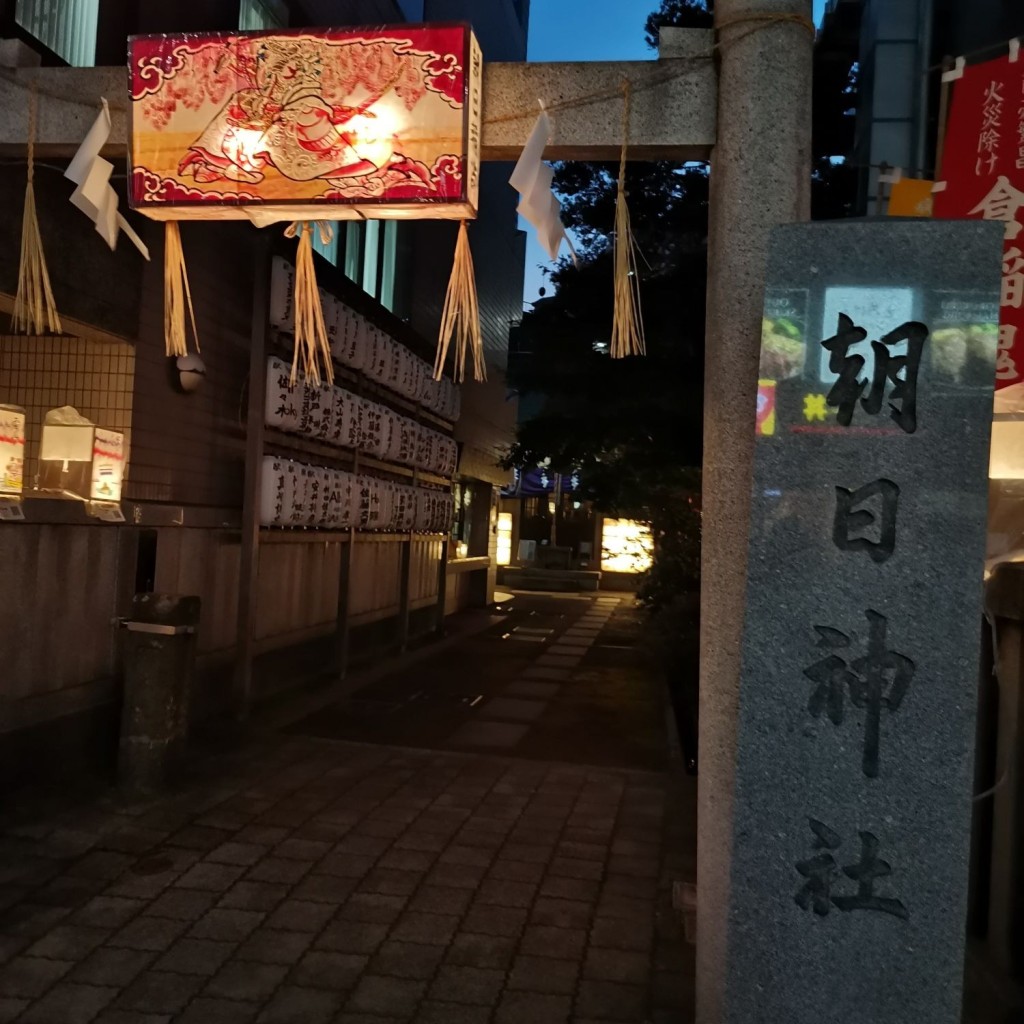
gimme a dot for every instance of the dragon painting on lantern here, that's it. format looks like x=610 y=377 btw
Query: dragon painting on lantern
x=345 y=117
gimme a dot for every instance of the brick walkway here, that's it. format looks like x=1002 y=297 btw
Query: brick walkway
x=332 y=882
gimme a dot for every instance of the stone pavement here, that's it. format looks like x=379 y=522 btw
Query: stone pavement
x=558 y=676
x=299 y=879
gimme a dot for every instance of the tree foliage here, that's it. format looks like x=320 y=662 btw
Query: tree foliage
x=633 y=427
x=678 y=14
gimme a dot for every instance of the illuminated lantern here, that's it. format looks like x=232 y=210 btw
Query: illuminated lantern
x=12 y=453
x=306 y=127
x=336 y=124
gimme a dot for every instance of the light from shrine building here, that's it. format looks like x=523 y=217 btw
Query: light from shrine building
x=626 y=546
x=504 y=545
x=327 y=124
x=1006 y=458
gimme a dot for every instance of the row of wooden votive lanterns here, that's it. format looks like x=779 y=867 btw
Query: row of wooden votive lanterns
x=335 y=416
x=294 y=494
x=361 y=345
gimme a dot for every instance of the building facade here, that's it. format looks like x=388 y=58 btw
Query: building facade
x=278 y=606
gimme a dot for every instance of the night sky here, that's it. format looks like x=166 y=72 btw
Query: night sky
x=586 y=30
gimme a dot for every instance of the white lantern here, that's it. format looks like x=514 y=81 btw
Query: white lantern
x=427 y=450
x=344 y=419
x=362 y=342
x=367 y=500
x=449 y=456
x=332 y=316
x=282 y=295
x=352 y=416
x=371 y=429
x=316 y=411
x=396 y=355
x=301 y=495
x=283 y=408
x=273 y=492
x=425 y=504
x=405 y=509
x=12 y=451
x=447 y=513
x=394 y=431
x=409 y=441
x=386 y=505
x=348 y=498
x=293 y=490
x=379 y=367
x=343 y=342
x=322 y=510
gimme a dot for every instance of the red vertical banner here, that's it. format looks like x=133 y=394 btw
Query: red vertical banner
x=983 y=177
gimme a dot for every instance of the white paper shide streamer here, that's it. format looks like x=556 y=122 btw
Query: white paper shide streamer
x=93 y=195
x=532 y=179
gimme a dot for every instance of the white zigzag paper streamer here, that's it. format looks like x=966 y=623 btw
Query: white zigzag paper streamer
x=94 y=196
x=532 y=180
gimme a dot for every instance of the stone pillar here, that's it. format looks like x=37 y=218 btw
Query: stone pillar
x=159 y=658
x=760 y=177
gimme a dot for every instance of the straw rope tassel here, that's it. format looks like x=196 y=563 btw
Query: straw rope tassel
x=627 y=318
x=177 y=294
x=461 y=316
x=35 y=312
x=311 y=342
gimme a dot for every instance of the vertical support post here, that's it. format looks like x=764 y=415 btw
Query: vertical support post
x=403 y=594
x=759 y=178
x=341 y=630
x=248 y=576
x=344 y=592
x=442 y=587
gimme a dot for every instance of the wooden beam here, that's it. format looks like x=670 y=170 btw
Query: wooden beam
x=673 y=116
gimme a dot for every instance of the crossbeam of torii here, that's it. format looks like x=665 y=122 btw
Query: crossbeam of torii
x=748 y=110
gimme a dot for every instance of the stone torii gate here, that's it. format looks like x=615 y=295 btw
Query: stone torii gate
x=744 y=105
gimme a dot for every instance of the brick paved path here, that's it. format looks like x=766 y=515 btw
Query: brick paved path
x=325 y=882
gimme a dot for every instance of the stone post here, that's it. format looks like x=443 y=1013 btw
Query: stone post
x=159 y=658
x=760 y=177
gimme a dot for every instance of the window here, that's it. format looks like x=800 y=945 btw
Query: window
x=371 y=258
x=256 y=15
x=353 y=247
x=371 y=254
x=67 y=27
x=330 y=250
x=387 y=272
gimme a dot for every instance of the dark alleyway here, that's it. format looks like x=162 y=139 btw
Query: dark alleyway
x=490 y=834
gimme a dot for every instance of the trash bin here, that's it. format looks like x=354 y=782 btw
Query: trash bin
x=159 y=658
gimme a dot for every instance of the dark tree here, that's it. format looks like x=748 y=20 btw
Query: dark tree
x=634 y=426
x=678 y=14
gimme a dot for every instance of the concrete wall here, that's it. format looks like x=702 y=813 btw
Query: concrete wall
x=189 y=448
x=59 y=640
